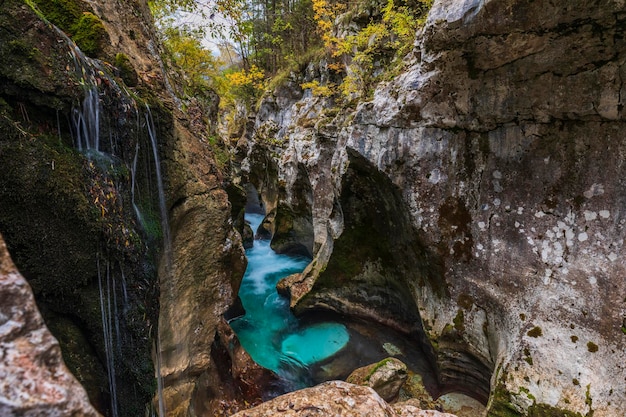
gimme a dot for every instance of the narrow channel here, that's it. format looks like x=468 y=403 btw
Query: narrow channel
x=269 y=332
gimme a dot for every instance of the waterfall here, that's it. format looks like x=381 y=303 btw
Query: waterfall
x=167 y=244
x=109 y=322
x=86 y=118
x=95 y=122
x=133 y=181
x=86 y=121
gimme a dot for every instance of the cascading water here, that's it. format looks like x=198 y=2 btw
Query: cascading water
x=86 y=120
x=268 y=331
x=167 y=244
x=110 y=322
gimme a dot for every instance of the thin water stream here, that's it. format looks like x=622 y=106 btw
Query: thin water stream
x=269 y=332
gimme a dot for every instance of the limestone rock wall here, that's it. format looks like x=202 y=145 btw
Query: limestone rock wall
x=200 y=281
x=504 y=138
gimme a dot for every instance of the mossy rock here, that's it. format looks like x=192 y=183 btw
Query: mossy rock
x=33 y=62
x=76 y=19
x=127 y=70
x=89 y=34
x=385 y=377
x=62 y=13
x=545 y=410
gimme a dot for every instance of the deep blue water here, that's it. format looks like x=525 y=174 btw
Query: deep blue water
x=268 y=331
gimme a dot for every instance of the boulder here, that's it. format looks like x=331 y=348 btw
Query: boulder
x=33 y=377
x=411 y=408
x=337 y=399
x=385 y=377
x=334 y=398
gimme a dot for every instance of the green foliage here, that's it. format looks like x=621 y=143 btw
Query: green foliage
x=319 y=90
x=185 y=51
x=379 y=45
x=535 y=332
x=265 y=34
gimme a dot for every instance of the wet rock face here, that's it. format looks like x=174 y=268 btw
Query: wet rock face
x=504 y=140
x=34 y=379
x=66 y=216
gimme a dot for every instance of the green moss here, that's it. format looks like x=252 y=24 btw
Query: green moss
x=575 y=381
x=459 y=321
x=63 y=13
x=527 y=356
x=89 y=34
x=127 y=70
x=377 y=367
x=535 y=332
x=73 y=17
x=592 y=347
x=500 y=403
x=24 y=49
x=589 y=400
x=574 y=338
x=545 y=410
x=527 y=392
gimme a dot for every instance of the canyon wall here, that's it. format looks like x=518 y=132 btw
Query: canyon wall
x=476 y=201
x=82 y=206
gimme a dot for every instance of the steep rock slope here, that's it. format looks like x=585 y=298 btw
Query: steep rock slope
x=476 y=202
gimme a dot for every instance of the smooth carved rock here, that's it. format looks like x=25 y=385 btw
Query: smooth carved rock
x=252 y=379
x=33 y=378
x=200 y=283
x=385 y=377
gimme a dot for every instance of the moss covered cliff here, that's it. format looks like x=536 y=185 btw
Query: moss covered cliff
x=80 y=202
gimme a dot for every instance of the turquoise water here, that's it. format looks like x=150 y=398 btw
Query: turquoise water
x=268 y=331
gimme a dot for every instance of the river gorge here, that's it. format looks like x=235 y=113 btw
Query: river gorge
x=449 y=241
